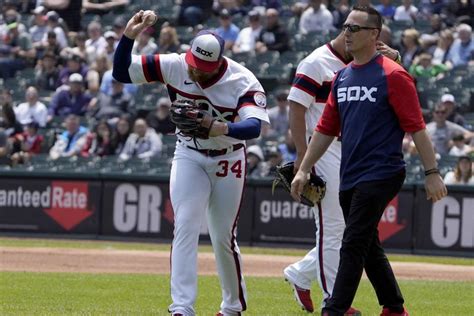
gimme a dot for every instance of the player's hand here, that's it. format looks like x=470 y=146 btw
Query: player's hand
x=140 y=21
x=435 y=187
x=298 y=183
x=218 y=129
x=386 y=50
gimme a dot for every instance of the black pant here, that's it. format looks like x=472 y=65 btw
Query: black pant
x=363 y=206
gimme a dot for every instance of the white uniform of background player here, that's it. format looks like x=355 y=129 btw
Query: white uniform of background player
x=208 y=174
x=311 y=88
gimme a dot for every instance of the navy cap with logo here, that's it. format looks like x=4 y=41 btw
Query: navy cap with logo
x=206 y=51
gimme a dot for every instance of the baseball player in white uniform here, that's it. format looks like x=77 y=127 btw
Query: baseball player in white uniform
x=208 y=174
x=307 y=97
x=311 y=87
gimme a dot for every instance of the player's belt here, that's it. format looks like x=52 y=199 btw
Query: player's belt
x=216 y=152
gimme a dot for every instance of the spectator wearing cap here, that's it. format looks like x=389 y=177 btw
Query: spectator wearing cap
x=168 y=41
x=40 y=25
x=111 y=39
x=69 y=10
x=70 y=100
x=273 y=160
x=247 y=37
x=227 y=30
x=316 y=18
x=462 y=174
x=255 y=161
x=32 y=110
x=96 y=43
x=29 y=144
x=143 y=143
x=452 y=115
x=279 y=115
x=460 y=148
x=47 y=72
x=386 y=9
x=406 y=12
x=16 y=50
x=160 y=119
x=442 y=131
x=288 y=148
x=53 y=25
x=462 y=50
x=111 y=107
x=70 y=142
x=274 y=36
x=145 y=43
x=74 y=64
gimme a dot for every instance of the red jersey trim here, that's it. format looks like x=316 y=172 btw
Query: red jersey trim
x=333 y=51
x=145 y=68
x=158 y=68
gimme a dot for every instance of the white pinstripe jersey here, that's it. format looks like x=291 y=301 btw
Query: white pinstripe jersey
x=235 y=94
x=312 y=83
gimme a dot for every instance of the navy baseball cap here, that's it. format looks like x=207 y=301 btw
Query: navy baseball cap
x=206 y=51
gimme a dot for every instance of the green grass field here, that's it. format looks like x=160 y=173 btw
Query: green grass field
x=93 y=294
x=129 y=294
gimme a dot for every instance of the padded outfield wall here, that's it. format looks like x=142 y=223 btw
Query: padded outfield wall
x=126 y=206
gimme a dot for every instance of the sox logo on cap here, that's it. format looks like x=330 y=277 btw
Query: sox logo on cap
x=206 y=51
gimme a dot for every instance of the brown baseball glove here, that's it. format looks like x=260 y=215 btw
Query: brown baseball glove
x=190 y=119
x=313 y=191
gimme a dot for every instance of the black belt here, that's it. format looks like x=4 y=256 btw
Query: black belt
x=216 y=152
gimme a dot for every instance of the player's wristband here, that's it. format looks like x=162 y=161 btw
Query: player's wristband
x=431 y=171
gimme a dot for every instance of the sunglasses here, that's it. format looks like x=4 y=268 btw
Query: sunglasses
x=356 y=28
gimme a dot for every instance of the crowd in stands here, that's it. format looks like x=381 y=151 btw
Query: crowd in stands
x=58 y=96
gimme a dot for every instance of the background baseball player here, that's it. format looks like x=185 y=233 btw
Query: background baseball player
x=307 y=98
x=206 y=174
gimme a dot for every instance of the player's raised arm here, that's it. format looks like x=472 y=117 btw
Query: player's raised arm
x=123 y=54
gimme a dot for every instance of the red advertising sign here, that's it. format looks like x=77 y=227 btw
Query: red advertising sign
x=389 y=224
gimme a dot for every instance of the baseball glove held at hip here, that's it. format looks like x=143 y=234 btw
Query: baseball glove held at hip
x=313 y=191
x=190 y=119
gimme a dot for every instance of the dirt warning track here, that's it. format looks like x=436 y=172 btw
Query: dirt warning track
x=157 y=262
